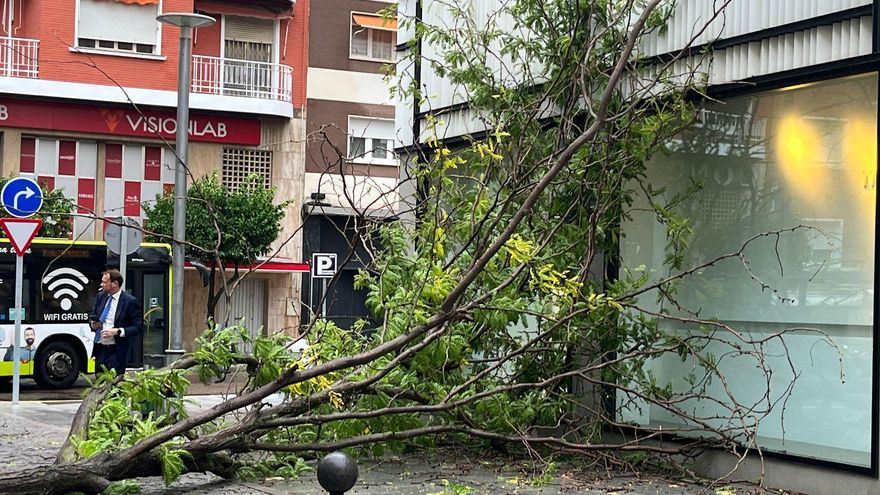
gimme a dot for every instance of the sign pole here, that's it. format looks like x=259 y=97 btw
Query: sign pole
x=312 y=308
x=123 y=250
x=16 y=340
x=323 y=267
x=21 y=197
x=324 y=298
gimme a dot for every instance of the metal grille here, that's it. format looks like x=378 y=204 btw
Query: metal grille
x=240 y=163
x=220 y=76
x=19 y=57
x=240 y=74
x=248 y=50
x=719 y=208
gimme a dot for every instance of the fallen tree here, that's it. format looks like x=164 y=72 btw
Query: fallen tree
x=499 y=323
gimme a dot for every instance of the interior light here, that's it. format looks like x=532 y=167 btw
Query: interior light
x=861 y=152
x=860 y=165
x=792 y=143
x=796 y=86
x=801 y=156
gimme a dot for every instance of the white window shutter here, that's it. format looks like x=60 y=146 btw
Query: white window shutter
x=115 y=21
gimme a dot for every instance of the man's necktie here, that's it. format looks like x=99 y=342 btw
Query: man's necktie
x=106 y=311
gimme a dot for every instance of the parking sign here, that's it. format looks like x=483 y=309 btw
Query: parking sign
x=323 y=265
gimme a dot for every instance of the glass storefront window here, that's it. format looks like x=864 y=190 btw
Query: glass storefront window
x=800 y=161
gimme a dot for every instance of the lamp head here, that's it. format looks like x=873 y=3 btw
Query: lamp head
x=185 y=19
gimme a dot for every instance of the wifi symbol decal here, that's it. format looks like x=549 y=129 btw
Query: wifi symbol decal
x=66 y=284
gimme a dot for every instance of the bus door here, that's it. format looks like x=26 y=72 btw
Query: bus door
x=147 y=280
x=150 y=287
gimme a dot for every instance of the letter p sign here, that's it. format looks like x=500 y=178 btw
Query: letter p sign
x=323 y=265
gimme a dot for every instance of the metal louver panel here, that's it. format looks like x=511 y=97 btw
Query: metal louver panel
x=837 y=41
x=250 y=29
x=485 y=14
x=739 y=17
x=247 y=307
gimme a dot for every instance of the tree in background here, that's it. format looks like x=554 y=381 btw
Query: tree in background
x=225 y=229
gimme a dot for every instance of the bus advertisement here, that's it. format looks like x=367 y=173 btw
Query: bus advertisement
x=60 y=284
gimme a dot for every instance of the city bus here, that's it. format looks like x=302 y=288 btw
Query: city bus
x=61 y=281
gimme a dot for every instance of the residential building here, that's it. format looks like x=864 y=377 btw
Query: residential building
x=789 y=139
x=89 y=104
x=351 y=168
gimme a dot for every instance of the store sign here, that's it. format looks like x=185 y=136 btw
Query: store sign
x=126 y=122
x=152 y=163
x=85 y=196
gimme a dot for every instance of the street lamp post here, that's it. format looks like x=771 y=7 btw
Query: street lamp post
x=186 y=22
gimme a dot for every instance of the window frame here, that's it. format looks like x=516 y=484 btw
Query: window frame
x=367 y=157
x=370 y=32
x=116 y=51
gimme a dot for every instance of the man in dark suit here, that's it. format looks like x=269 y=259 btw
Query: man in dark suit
x=116 y=319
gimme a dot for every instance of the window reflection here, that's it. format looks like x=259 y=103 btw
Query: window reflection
x=799 y=161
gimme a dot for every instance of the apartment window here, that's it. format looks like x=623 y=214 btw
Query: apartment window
x=370 y=140
x=372 y=37
x=241 y=163
x=247 y=52
x=118 y=25
x=248 y=38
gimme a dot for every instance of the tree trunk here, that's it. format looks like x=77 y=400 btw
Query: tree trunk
x=83 y=477
x=80 y=425
x=212 y=298
x=93 y=475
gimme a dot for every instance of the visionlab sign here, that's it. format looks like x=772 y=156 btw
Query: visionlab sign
x=125 y=122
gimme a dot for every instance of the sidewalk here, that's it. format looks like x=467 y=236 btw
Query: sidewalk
x=31 y=433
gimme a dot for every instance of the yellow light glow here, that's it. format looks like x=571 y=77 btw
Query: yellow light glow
x=860 y=141
x=792 y=145
x=800 y=156
x=797 y=86
x=861 y=153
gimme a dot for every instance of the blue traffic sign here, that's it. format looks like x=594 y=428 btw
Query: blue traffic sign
x=22 y=197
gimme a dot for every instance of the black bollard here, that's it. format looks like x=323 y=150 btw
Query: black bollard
x=337 y=473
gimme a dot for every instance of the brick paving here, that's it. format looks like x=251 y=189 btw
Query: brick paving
x=32 y=431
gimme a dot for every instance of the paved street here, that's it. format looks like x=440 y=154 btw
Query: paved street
x=30 y=391
x=32 y=431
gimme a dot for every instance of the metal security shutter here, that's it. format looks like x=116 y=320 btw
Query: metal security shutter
x=249 y=29
x=247 y=307
x=251 y=39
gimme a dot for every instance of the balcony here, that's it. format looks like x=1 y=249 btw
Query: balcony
x=230 y=77
x=19 y=57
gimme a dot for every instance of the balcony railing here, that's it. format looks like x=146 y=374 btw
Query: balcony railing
x=19 y=57
x=230 y=77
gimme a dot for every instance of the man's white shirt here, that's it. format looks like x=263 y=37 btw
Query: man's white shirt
x=110 y=321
